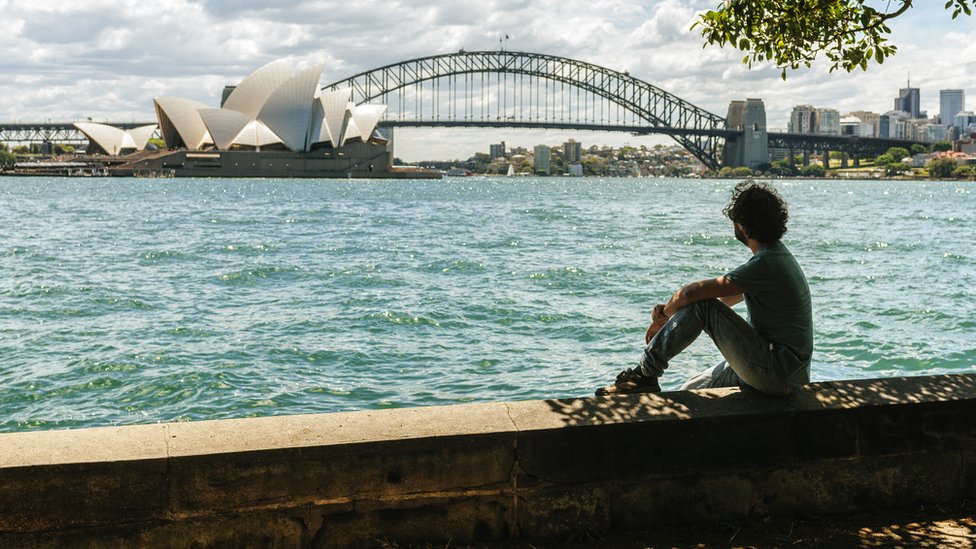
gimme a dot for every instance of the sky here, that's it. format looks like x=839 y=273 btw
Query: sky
x=107 y=59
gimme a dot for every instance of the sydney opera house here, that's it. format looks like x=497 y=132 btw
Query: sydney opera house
x=275 y=123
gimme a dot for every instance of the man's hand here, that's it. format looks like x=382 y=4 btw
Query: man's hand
x=658 y=320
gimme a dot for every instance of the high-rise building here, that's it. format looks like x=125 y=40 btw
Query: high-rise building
x=908 y=100
x=894 y=125
x=572 y=151
x=936 y=132
x=871 y=118
x=828 y=122
x=540 y=159
x=809 y=119
x=497 y=151
x=803 y=119
x=951 y=103
x=965 y=123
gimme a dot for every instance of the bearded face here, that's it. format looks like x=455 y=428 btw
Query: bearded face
x=739 y=234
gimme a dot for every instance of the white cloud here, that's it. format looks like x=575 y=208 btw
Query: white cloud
x=108 y=58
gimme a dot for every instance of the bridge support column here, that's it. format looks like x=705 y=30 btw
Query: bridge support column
x=843 y=160
x=857 y=161
x=806 y=158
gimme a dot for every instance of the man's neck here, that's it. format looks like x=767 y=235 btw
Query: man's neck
x=754 y=245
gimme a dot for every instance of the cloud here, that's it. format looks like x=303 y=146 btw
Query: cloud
x=108 y=58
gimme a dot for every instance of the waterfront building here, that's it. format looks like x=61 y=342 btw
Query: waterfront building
x=936 y=132
x=908 y=100
x=951 y=103
x=803 y=119
x=273 y=108
x=810 y=119
x=917 y=129
x=541 y=159
x=276 y=122
x=572 y=152
x=869 y=118
x=965 y=122
x=496 y=151
x=828 y=122
x=576 y=170
x=853 y=126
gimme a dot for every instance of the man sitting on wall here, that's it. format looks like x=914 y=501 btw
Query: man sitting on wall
x=771 y=351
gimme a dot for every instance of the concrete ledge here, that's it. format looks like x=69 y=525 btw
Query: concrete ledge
x=494 y=471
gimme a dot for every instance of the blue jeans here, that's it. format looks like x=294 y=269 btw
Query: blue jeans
x=749 y=360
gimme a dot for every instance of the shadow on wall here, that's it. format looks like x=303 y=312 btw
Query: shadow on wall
x=832 y=395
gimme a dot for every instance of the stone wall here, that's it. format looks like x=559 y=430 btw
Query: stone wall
x=530 y=469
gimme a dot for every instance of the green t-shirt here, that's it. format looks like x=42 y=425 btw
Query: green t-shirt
x=778 y=299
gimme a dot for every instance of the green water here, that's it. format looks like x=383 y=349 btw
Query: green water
x=131 y=301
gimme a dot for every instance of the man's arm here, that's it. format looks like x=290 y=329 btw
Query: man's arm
x=720 y=287
x=732 y=300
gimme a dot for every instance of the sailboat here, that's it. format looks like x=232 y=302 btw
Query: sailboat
x=511 y=170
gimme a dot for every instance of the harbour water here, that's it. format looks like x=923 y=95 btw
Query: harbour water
x=126 y=301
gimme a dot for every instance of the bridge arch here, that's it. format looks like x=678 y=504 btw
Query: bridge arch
x=698 y=130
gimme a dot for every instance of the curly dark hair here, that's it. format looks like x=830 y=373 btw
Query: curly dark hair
x=759 y=209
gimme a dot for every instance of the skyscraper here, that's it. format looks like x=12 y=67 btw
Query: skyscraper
x=572 y=151
x=951 y=103
x=908 y=100
x=803 y=119
x=540 y=159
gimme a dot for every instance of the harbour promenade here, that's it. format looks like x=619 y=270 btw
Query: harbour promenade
x=571 y=469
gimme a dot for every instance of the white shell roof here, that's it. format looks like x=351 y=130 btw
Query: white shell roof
x=180 y=118
x=335 y=108
x=352 y=129
x=108 y=138
x=367 y=117
x=271 y=105
x=224 y=125
x=251 y=94
x=113 y=140
x=256 y=134
x=288 y=111
x=142 y=135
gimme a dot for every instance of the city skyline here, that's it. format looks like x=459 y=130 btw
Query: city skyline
x=105 y=60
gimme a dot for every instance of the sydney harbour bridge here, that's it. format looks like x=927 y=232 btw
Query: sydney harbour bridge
x=506 y=89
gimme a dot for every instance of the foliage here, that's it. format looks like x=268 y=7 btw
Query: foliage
x=813 y=170
x=21 y=149
x=729 y=172
x=63 y=149
x=783 y=167
x=897 y=168
x=940 y=146
x=965 y=172
x=919 y=149
x=594 y=165
x=942 y=167
x=898 y=153
x=884 y=159
x=791 y=34
x=6 y=158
